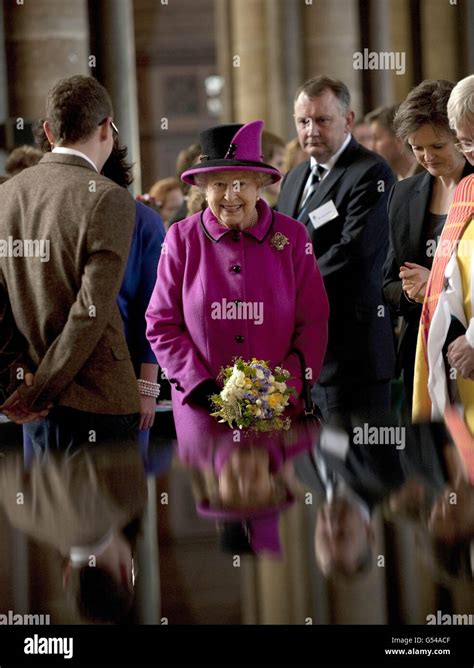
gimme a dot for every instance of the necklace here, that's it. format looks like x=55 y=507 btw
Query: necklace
x=253 y=221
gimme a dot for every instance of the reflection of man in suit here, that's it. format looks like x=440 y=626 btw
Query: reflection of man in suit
x=69 y=333
x=340 y=194
x=352 y=478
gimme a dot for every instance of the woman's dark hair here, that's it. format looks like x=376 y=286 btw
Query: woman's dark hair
x=117 y=168
x=40 y=137
x=427 y=104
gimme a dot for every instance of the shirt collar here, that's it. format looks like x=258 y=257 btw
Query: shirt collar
x=73 y=151
x=79 y=555
x=334 y=158
x=215 y=231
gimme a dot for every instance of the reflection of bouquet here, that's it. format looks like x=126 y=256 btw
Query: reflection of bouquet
x=253 y=397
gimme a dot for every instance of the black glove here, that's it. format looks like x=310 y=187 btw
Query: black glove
x=200 y=395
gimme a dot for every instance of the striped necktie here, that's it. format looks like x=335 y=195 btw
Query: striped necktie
x=317 y=174
x=329 y=478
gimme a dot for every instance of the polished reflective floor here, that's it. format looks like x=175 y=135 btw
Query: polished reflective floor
x=312 y=530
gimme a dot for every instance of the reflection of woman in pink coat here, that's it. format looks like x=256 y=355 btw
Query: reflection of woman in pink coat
x=235 y=280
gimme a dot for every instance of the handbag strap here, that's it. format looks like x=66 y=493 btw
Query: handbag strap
x=310 y=407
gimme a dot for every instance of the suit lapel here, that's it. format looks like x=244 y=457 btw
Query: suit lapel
x=329 y=183
x=296 y=192
x=418 y=206
x=325 y=187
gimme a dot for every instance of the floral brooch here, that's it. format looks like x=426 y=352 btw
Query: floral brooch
x=279 y=241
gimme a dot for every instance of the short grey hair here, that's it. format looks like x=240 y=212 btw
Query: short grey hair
x=461 y=103
x=262 y=179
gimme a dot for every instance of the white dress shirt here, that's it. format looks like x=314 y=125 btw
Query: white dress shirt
x=73 y=151
x=327 y=166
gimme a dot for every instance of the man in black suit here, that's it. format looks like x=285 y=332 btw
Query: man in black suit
x=340 y=194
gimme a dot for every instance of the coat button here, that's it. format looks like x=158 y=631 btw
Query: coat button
x=236 y=268
x=235 y=236
x=239 y=338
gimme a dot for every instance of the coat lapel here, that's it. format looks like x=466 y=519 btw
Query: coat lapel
x=419 y=203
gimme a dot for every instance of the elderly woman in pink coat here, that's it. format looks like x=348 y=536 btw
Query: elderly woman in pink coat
x=236 y=280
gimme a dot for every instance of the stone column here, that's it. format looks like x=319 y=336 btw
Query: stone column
x=224 y=49
x=277 y=111
x=148 y=583
x=400 y=40
x=331 y=37
x=380 y=42
x=293 y=60
x=3 y=86
x=469 y=30
x=249 y=60
x=45 y=41
x=439 y=39
x=113 y=44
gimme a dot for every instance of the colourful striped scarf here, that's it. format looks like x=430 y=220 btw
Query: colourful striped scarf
x=460 y=213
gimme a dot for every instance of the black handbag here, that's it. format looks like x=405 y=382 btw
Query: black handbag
x=311 y=411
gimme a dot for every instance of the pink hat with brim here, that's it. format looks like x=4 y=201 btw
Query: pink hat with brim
x=231 y=148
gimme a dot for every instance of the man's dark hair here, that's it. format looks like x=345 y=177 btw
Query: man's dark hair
x=117 y=168
x=320 y=84
x=384 y=116
x=427 y=104
x=75 y=107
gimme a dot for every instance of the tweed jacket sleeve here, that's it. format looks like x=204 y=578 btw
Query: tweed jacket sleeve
x=12 y=348
x=109 y=233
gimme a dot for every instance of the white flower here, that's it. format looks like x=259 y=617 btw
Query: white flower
x=271 y=378
x=259 y=374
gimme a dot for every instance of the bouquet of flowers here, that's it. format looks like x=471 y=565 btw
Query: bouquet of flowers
x=254 y=397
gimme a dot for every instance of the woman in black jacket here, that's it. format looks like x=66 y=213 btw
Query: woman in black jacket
x=417 y=209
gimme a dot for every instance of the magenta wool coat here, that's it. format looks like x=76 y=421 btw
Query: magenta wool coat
x=195 y=323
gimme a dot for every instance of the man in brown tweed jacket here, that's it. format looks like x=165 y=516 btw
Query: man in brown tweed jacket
x=65 y=232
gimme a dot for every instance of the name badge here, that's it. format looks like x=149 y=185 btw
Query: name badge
x=323 y=214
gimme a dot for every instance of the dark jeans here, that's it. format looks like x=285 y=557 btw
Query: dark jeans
x=371 y=401
x=69 y=429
